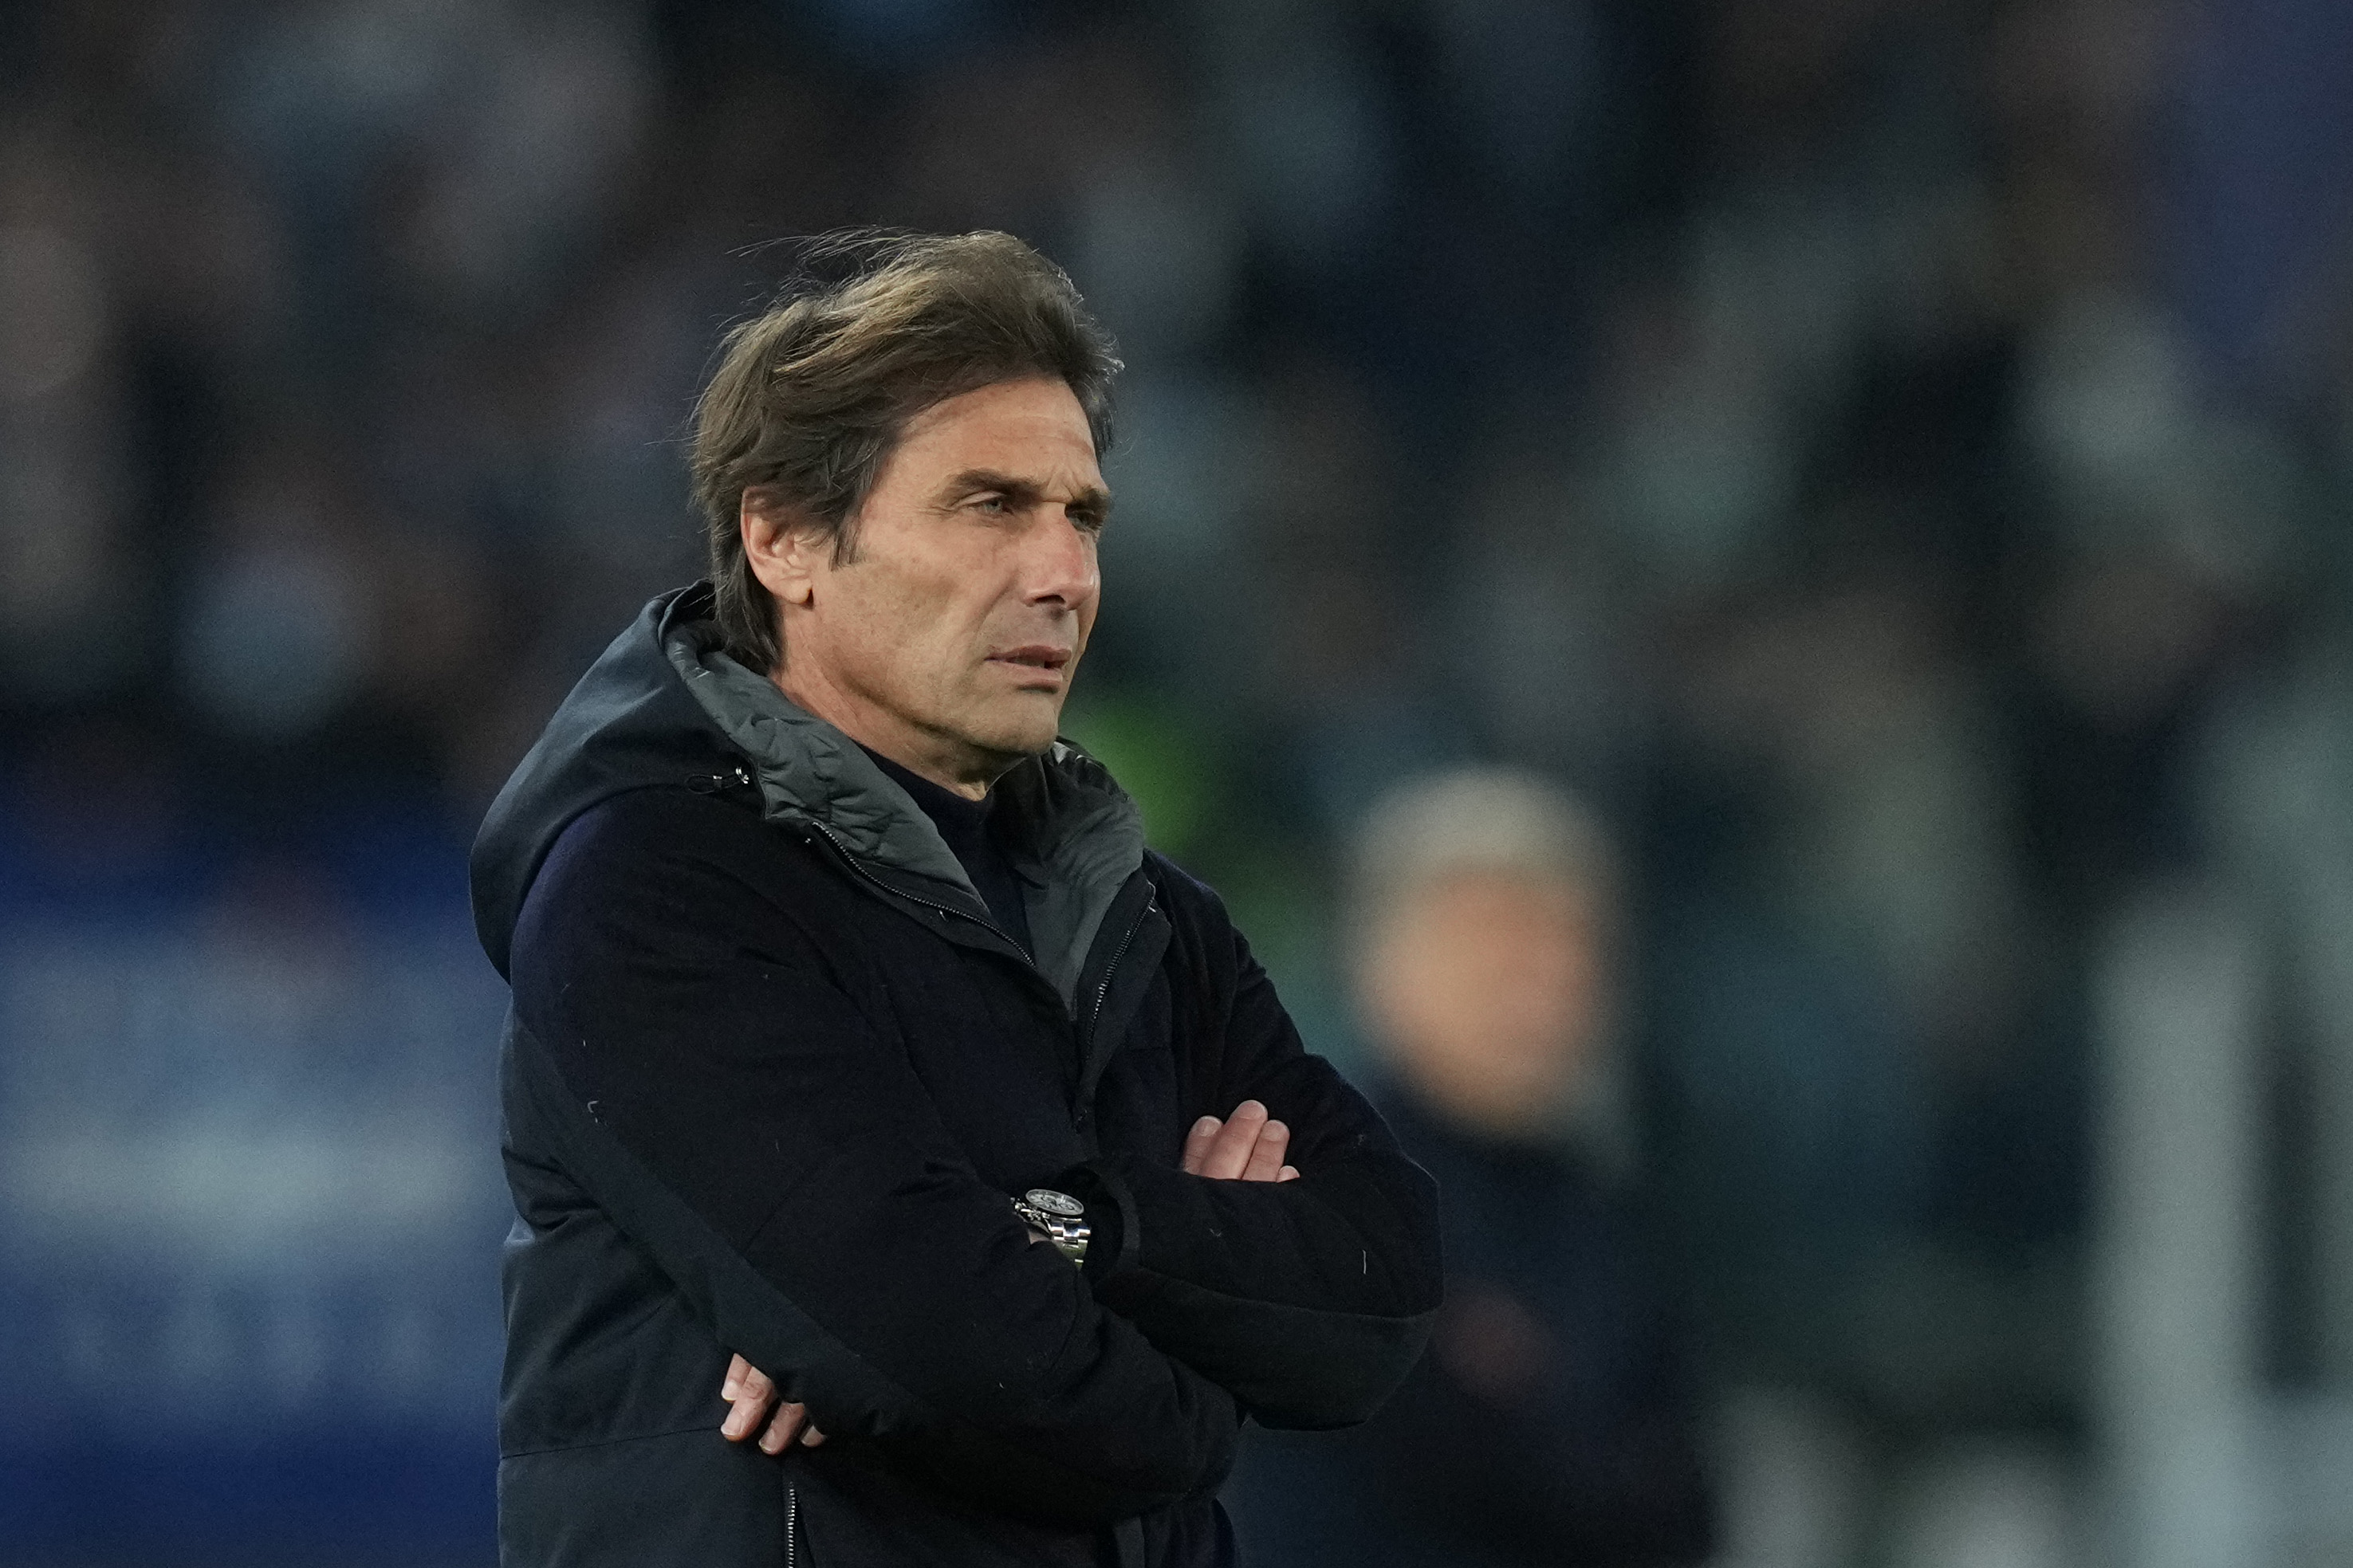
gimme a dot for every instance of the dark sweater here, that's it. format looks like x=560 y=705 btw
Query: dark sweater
x=965 y=826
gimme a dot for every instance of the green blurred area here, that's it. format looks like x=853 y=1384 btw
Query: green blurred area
x=1275 y=881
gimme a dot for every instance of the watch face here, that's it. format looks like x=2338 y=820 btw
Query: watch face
x=1054 y=1202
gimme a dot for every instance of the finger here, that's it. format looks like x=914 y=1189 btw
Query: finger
x=753 y=1398
x=1288 y=1173
x=1230 y=1154
x=732 y=1384
x=811 y=1436
x=783 y=1428
x=1266 y=1154
x=1197 y=1143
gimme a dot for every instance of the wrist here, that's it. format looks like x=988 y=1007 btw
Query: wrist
x=1111 y=1215
x=1055 y=1216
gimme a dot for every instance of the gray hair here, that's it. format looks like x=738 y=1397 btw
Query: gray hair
x=1473 y=819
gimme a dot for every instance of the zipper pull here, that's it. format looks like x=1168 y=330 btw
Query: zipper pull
x=716 y=783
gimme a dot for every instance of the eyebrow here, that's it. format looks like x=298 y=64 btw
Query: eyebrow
x=1093 y=498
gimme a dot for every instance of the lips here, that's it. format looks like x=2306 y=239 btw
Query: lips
x=1036 y=656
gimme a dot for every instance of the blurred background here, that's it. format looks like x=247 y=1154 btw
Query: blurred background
x=1890 y=459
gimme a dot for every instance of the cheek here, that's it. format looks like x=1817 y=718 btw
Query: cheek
x=1446 y=990
x=1510 y=993
x=899 y=630
x=1551 y=992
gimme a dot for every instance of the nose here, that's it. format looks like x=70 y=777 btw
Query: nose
x=1062 y=567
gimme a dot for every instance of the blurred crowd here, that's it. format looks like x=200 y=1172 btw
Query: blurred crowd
x=1890 y=459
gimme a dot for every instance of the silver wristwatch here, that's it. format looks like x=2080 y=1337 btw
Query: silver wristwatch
x=1059 y=1217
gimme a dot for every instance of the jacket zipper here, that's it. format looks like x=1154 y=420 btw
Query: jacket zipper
x=1102 y=987
x=1102 y=990
x=792 y=1525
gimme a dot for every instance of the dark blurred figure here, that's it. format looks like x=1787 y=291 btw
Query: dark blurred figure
x=1552 y=1420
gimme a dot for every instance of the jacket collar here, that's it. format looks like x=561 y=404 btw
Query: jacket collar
x=664 y=703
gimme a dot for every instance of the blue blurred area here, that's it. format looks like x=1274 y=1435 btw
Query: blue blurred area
x=1892 y=459
x=250 y=1223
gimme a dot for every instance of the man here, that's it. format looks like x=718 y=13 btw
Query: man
x=1551 y=1421
x=861 y=1055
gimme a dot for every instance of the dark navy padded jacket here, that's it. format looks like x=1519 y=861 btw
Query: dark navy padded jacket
x=771 y=1077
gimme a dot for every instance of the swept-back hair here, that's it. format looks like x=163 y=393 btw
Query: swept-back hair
x=811 y=395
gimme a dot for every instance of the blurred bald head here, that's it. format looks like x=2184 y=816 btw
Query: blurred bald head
x=1482 y=903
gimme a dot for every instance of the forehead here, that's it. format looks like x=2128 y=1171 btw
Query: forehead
x=1032 y=429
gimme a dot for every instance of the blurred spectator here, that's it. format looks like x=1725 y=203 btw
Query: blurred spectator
x=1552 y=1419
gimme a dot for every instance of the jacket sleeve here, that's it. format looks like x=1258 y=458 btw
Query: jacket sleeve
x=1310 y=1300
x=733 y=1111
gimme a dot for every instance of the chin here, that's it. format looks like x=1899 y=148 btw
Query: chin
x=1017 y=734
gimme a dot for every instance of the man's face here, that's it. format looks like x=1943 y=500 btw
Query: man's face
x=1489 y=991
x=948 y=640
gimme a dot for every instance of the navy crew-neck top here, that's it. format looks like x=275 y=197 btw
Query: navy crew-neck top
x=965 y=824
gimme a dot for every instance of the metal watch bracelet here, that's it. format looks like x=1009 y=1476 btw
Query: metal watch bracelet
x=1059 y=1217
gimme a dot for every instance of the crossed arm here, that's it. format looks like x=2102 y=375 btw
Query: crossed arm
x=1248 y=1146
x=776 y=1130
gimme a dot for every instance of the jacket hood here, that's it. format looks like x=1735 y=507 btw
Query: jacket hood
x=662 y=705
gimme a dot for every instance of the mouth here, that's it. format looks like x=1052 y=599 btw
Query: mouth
x=1035 y=664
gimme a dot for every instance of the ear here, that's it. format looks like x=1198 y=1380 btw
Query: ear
x=779 y=545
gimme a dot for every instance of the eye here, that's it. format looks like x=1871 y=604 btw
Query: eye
x=991 y=502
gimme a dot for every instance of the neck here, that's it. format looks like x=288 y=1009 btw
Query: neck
x=954 y=765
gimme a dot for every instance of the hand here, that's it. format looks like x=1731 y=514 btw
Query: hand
x=1246 y=1147
x=749 y=1390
